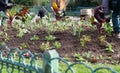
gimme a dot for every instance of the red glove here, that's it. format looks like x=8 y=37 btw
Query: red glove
x=104 y=20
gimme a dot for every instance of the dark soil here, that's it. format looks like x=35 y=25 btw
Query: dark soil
x=70 y=45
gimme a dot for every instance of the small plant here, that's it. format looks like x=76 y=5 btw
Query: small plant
x=50 y=38
x=11 y=14
x=77 y=29
x=102 y=41
x=109 y=47
x=105 y=43
x=22 y=32
x=1 y=33
x=57 y=45
x=61 y=26
x=50 y=28
x=100 y=57
x=45 y=46
x=102 y=38
x=88 y=54
x=67 y=58
x=24 y=46
x=34 y=38
x=78 y=57
x=2 y=45
x=108 y=28
x=84 y=40
x=6 y=37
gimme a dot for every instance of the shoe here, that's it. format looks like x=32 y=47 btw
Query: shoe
x=118 y=35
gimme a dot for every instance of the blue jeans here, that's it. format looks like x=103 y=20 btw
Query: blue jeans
x=116 y=21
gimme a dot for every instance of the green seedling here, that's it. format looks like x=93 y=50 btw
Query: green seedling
x=50 y=38
x=84 y=40
x=22 y=32
x=78 y=57
x=57 y=45
x=24 y=46
x=45 y=46
x=34 y=38
x=109 y=47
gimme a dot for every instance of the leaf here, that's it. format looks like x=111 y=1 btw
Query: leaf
x=92 y=19
x=11 y=12
x=35 y=37
x=24 y=11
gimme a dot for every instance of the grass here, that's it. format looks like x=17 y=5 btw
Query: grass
x=78 y=68
x=82 y=69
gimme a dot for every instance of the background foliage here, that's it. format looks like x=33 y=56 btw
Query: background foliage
x=72 y=3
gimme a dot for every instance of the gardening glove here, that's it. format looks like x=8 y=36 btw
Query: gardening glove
x=104 y=20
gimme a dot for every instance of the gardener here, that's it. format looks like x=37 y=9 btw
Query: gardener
x=113 y=5
x=99 y=15
x=106 y=10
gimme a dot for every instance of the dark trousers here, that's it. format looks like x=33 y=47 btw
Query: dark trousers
x=116 y=21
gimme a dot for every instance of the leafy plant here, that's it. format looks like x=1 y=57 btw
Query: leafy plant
x=2 y=45
x=11 y=13
x=67 y=58
x=45 y=46
x=1 y=33
x=50 y=28
x=57 y=44
x=88 y=54
x=84 y=40
x=109 y=47
x=108 y=28
x=22 y=32
x=6 y=37
x=78 y=57
x=24 y=46
x=35 y=37
x=101 y=57
x=50 y=38
x=105 y=43
x=2 y=14
x=61 y=26
x=77 y=29
x=102 y=38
